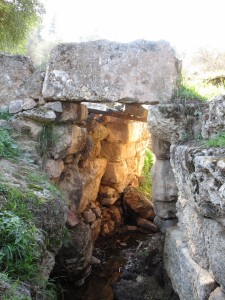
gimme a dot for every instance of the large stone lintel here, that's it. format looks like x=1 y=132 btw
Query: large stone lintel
x=103 y=71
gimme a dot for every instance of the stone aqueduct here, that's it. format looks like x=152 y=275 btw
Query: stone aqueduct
x=188 y=180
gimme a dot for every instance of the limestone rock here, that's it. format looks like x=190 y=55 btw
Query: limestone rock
x=69 y=113
x=163 y=182
x=200 y=178
x=189 y=280
x=164 y=224
x=96 y=229
x=91 y=175
x=74 y=259
x=165 y=210
x=15 y=106
x=138 y=202
x=115 y=152
x=166 y=122
x=148 y=225
x=71 y=183
x=214 y=120
x=124 y=131
x=160 y=148
x=29 y=103
x=115 y=214
x=35 y=85
x=47 y=264
x=107 y=195
x=193 y=227
x=89 y=216
x=41 y=115
x=215 y=245
x=217 y=294
x=29 y=127
x=71 y=139
x=54 y=168
x=140 y=72
x=97 y=211
x=116 y=175
x=56 y=106
x=17 y=78
x=72 y=219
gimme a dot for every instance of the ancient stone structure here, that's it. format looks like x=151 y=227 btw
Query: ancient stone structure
x=97 y=158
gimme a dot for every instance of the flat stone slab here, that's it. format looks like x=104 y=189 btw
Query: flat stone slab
x=138 y=72
x=189 y=280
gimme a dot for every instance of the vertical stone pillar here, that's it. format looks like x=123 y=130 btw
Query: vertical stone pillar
x=164 y=189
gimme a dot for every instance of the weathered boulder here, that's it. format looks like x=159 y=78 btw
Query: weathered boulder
x=56 y=106
x=189 y=280
x=125 y=131
x=40 y=114
x=70 y=139
x=107 y=195
x=72 y=112
x=217 y=294
x=139 y=72
x=71 y=183
x=18 y=78
x=146 y=224
x=167 y=122
x=54 y=168
x=138 y=202
x=32 y=128
x=75 y=257
x=91 y=175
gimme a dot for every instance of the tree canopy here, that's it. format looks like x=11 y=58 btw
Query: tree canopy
x=17 y=17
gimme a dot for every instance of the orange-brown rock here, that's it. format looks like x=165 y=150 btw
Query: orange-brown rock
x=107 y=195
x=91 y=175
x=139 y=203
x=148 y=225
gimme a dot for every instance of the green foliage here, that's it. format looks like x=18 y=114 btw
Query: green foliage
x=13 y=292
x=199 y=89
x=16 y=200
x=37 y=181
x=146 y=181
x=47 y=138
x=216 y=141
x=8 y=147
x=17 y=17
x=5 y=115
x=18 y=246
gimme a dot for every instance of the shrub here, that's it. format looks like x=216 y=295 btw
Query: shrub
x=18 y=246
x=5 y=115
x=146 y=180
x=8 y=146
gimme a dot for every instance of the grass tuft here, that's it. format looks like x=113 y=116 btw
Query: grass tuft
x=199 y=89
x=216 y=141
x=8 y=147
